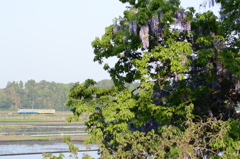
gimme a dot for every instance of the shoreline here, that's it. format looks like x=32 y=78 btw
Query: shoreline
x=32 y=147
x=26 y=138
x=36 y=127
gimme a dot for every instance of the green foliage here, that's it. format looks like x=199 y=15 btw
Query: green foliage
x=42 y=95
x=74 y=151
x=86 y=156
x=105 y=83
x=189 y=86
x=72 y=148
x=6 y=103
x=51 y=156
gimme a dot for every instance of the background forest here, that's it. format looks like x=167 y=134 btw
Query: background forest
x=39 y=95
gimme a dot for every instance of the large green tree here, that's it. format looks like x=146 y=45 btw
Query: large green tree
x=188 y=65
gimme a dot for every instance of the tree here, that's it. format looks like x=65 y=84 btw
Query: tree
x=5 y=103
x=189 y=71
x=105 y=83
x=42 y=95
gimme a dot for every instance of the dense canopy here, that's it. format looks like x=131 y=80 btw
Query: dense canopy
x=189 y=68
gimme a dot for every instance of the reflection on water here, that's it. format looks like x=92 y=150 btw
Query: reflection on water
x=17 y=129
x=16 y=147
x=30 y=129
x=67 y=156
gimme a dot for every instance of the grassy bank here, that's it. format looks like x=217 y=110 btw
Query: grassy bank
x=11 y=122
x=58 y=116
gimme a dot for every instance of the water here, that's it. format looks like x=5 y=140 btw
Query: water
x=14 y=148
x=22 y=157
x=66 y=155
x=40 y=129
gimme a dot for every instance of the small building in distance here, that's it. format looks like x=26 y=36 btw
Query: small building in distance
x=36 y=111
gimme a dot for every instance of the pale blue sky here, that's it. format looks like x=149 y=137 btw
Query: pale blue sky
x=51 y=39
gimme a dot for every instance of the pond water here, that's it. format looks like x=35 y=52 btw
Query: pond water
x=16 y=148
x=66 y=156
x=33 y=149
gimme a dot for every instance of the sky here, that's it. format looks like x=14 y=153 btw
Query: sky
x=51 y=39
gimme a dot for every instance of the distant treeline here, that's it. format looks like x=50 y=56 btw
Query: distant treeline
x=40 y=95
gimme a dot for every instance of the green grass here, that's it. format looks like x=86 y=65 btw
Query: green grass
x=38 y=119
x=33 y=118
x=58 y=116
